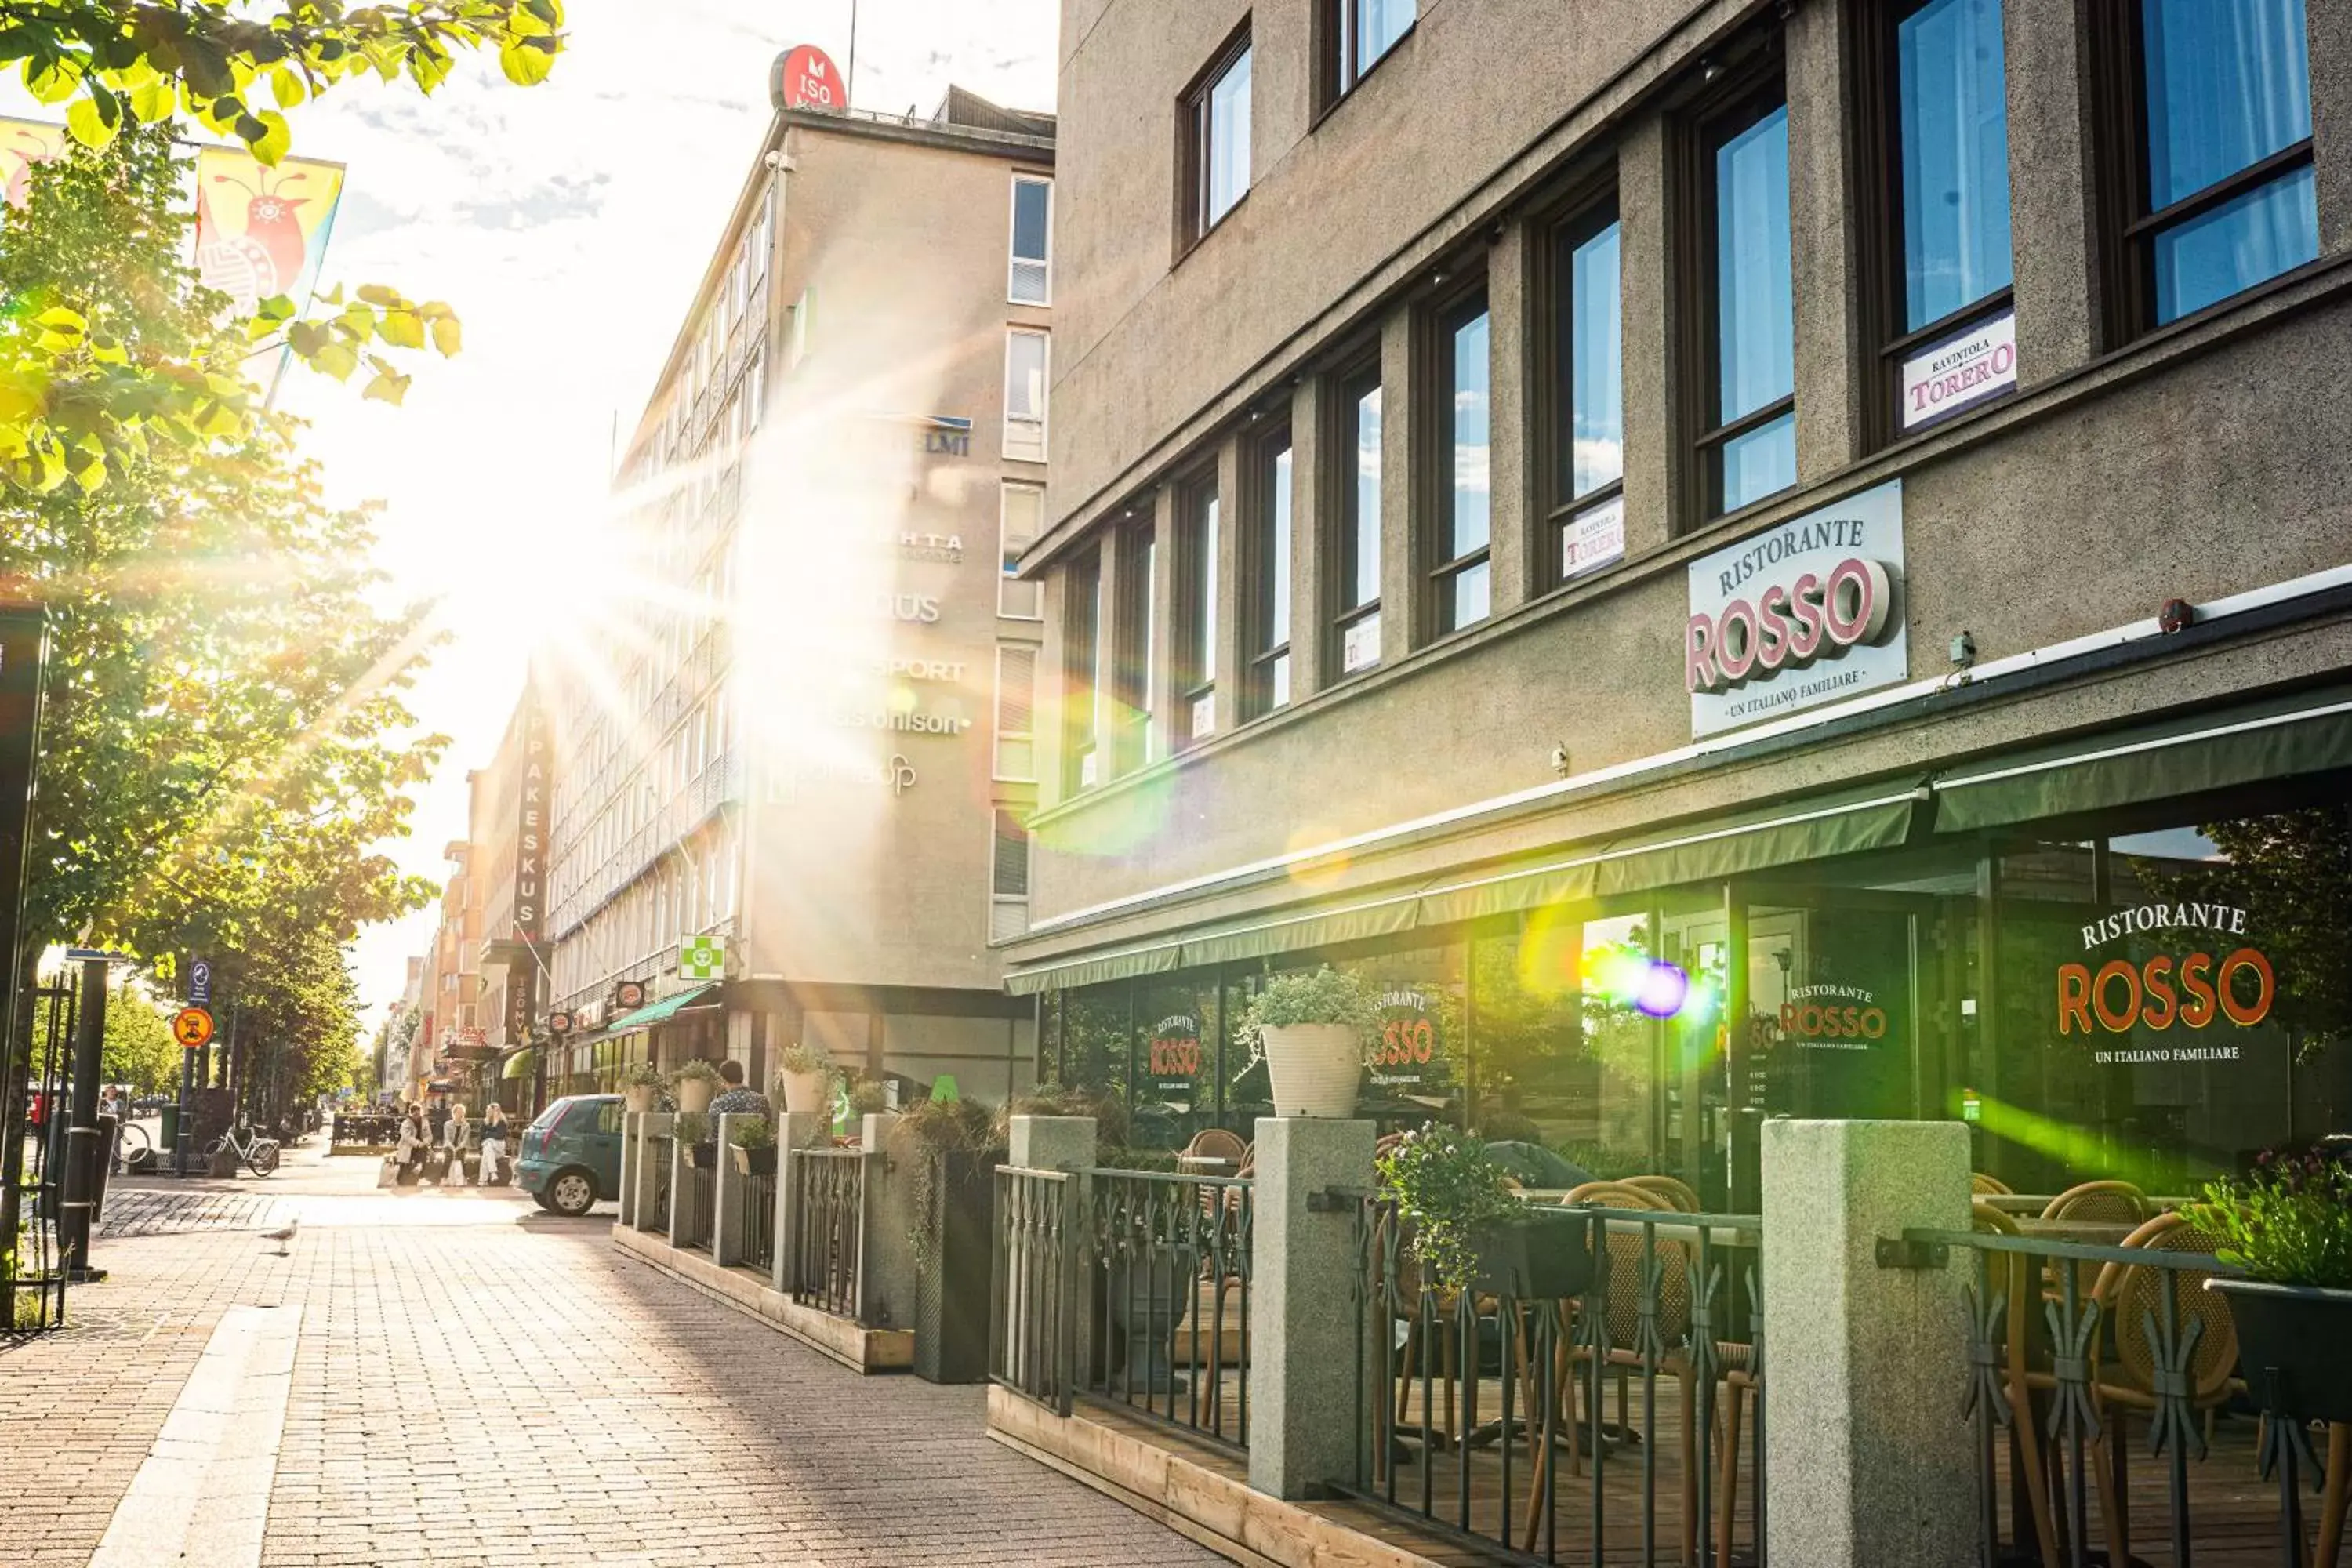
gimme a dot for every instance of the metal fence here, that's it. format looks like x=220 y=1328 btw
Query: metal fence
x=32 y=1167
x=1169 y=1261
x=1034 y=1308
x=1489 y=1414
x=698 y=1196
x=655 y=1216
x=2090 y=1366
x=832 y=1193
x=755 y=1236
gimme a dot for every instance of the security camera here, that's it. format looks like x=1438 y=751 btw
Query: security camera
x=775 y=159
x=1559 y=759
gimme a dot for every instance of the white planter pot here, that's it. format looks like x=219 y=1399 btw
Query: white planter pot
x=1315 y=1068
x=637 y=1097
x=808 y=1092
x=695 y=1095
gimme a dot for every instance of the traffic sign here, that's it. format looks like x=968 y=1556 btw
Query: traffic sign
x=192 y=1027
x=200 y=983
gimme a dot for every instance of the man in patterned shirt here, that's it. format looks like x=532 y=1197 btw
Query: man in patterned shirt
x=737 y=1100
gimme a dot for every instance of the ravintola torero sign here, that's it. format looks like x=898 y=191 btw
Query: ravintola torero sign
x=1803 y=613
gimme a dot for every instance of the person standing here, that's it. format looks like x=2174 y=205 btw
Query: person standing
x=455 y=1133
x=494 y=1142
x=737 y=1100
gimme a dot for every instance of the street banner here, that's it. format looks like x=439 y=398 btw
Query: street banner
x=23 y=143
x=262 y=231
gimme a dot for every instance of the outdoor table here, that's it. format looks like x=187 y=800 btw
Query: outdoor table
x=1205 y=1164
x=2089 y=1232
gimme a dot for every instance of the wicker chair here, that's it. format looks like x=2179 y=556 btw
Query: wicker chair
x=1676 y=1194
x=1983 y=1186
x=2016 y=1281
x=2097 y=1202
x=1216 y=1144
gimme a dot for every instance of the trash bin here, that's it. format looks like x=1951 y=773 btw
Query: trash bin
x=169 y=1138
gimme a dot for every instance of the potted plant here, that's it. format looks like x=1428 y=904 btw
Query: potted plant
x=696 y=1084
x=755 y=1142
x=1465 y=1230
x=2290 y=1229
x=642 y=1086
x=958 y=1145
x=804 y=1080
x=868 y=1097
x=1310 y=1030
x=699 y=1138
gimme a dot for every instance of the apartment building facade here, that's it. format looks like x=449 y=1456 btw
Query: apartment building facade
x=793 y=764
x=1731 y=560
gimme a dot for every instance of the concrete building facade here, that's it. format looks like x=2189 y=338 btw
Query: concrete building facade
x=1827 y=499
x=805 y=737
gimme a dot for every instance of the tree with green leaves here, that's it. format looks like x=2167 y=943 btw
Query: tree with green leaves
x=138 y=1049
x=80 y=396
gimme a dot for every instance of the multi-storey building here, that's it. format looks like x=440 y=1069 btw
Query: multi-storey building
x=1730 y=560
x=802 y=729
x=508 y=834
x=452 y=989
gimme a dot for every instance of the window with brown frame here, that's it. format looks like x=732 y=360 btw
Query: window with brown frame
x=1265 y=580
x=1357 y=35
x=1213 y=142
x=1460 y=482
x=1085 y=703
x=1583 y=390
x=1355 y=554
x=1197 y=518
x=1747 y=445
x=1133 y=680
x=2209 y=107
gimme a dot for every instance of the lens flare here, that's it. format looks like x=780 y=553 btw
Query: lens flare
x=1663 y=990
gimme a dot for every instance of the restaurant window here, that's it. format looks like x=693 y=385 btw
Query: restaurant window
x=1016 y=708
x=1215 y=120
x=1950 y=332
x=1361 y=34
x=1356 y=621
x=1027 y=356
x=1459 y=588
x=1198 y=515
x=1082 y=613
x=1266 y=590
x=1587 y=512
x=1019 y=518
x=2225 y=189
x=1029 y=278
x=1748 y=447
x=1133 y=680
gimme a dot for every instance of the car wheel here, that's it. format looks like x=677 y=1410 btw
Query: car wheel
x=541 y=1199
x=571 y=1193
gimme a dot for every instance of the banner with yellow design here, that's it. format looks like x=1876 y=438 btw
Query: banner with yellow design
x=261 y=229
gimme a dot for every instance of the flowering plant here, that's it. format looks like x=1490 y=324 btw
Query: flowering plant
x=1445 y=1186
x=1328 y=995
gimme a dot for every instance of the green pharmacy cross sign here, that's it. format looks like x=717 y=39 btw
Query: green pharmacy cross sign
x=702 y=958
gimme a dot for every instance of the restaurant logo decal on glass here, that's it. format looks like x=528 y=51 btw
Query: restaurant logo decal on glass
x=2202 y=974
x=1801 y=615
x=1175 y=1048
x=1832 y=1018
x=1408 y=1045
x=1960 y=372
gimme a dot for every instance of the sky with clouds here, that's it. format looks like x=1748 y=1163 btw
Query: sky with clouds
x=568 y=224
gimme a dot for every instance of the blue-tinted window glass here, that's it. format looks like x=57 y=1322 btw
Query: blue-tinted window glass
x=1759 y=462
x=1364 y=585
x=1229 y=138
x=1031 y=201
x=1469 y=519
x=2229 y=83
x=1596 y=364
x=2235 y=245
x=1954 y=129
x=1378 y=25
x=1755 y=320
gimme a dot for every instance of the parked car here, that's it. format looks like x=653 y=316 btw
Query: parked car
x=572 y=1155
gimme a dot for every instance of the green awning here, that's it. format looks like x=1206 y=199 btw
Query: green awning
x=1754 y=839
x=655 y=1012
x=517 y=1063
x=2279 y=739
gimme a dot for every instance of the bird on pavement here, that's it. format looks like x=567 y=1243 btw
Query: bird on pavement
x=283 y=1235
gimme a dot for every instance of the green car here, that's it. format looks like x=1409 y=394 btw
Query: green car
x=572 y=1155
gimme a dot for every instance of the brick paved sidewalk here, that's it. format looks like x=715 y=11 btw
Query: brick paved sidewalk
x=492 y=1394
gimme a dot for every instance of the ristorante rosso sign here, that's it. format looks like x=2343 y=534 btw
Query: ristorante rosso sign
x=1806 y=613
x=2184 y=983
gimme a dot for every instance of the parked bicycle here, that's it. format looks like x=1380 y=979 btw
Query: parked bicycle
x=259 y=1153
x=132 y=1146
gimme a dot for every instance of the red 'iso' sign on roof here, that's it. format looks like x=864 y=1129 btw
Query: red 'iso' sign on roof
x=806 y=77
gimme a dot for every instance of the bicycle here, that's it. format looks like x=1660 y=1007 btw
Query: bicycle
x=259 y=1153
x=130 y=1141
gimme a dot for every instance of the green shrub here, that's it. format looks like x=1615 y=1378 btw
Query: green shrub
x=2289 y=1223
x=1445 y=1187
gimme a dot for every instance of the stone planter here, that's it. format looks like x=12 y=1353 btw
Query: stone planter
x=1540 y=1254
x=700 y=1156
x=695 y=1095
x=1150 y=1292
x=756 y=1162
x=639 y=1096
x=808 y=1093
x=2291 y=1341
x=1316 y=1069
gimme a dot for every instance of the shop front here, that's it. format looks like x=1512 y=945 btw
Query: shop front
x=2128 y=956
